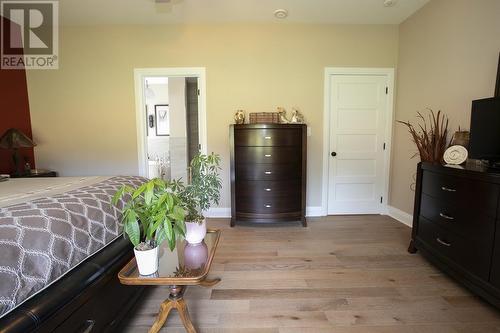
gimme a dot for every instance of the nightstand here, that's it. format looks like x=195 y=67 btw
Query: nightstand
x=37 y=173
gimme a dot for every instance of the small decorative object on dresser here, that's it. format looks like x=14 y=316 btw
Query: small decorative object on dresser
x=455 y=155
x=282 y=115
x=268 y=173
x=202 y=190
x=239 y=117
x=297 y=117
x=461 y=138
x=156 y=210
x=264 y=118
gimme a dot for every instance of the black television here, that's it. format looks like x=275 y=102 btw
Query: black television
x=484 y=141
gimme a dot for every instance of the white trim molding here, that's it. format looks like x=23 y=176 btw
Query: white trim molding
x=329 y=71
x=139 y=75
x=399 y=215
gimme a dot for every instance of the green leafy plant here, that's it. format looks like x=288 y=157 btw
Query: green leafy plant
x=203 y=188
x=152 y=214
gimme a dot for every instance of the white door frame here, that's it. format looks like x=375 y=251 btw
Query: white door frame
x=329 y=71
x=139 y=75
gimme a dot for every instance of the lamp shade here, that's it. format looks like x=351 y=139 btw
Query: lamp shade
x=14 y=138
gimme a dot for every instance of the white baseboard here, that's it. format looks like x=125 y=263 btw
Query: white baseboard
x=225 y=212
x=221 y=212
x=399 y=215
x=314 y=211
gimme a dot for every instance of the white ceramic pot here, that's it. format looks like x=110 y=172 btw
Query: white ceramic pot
x=147 y=261
x=195 y=232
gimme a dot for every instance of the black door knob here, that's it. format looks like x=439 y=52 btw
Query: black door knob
x=334 y=154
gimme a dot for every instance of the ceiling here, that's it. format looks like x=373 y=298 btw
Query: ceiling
x=96 y=12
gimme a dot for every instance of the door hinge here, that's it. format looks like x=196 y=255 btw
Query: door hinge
x=384 y=145
x=198 y=92
x=386 y=90
x=381 y=199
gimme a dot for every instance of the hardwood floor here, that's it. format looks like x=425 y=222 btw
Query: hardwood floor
x=343 y=274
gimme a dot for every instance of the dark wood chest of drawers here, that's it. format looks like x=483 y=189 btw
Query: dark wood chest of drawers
x=268 y=173
x=456 y=225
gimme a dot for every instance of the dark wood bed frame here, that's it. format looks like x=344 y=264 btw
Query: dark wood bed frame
x=88 y=299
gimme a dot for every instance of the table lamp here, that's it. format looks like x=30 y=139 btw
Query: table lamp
x=15 y=139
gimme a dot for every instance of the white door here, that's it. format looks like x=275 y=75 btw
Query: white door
x=358 y=110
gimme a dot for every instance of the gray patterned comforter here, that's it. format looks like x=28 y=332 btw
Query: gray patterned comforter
x=42 y=239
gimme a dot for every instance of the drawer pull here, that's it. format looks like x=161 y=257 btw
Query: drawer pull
x=268 y=190
x=267 y=155
x=447 y=189
x=442 y=242
x=268 y=206
x=267 y=137
x=448 y=217
x=268 y=172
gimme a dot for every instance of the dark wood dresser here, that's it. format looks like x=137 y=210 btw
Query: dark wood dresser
x=268 y=173
x=456 y=225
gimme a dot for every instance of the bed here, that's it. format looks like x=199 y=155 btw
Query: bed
x=61 y=246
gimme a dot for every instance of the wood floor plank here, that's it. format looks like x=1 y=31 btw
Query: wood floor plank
x=341 y=274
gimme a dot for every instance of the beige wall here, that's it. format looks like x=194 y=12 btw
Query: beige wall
x=83 y=114
x=448 y=56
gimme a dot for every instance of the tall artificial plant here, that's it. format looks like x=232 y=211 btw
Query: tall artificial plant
x=203 y=188
x=152 y=214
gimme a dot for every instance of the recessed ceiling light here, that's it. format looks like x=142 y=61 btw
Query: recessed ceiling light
x=281 y=13
x=390 y=3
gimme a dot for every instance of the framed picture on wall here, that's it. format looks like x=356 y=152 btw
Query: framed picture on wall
x=162 y=118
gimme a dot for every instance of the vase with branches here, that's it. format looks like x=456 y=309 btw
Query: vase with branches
x=430 y=138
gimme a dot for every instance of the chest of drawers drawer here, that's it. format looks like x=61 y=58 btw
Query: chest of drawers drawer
x=268 y=137
x=269 y=205
x=471 y=255
x=267 y=171
x=456 y=218
x=269 y=155
x=267 y=188
x=474 y=195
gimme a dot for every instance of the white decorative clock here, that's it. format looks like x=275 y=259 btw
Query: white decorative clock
x=455 y=155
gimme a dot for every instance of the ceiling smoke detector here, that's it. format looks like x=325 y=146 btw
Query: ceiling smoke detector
x=390 y=3
x=281 y=13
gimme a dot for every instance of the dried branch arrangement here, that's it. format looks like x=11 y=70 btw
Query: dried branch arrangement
x=431 y=140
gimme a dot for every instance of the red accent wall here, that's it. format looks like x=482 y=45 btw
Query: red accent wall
x=14 y=112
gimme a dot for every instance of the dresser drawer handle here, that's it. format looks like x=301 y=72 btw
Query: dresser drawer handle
x=442 y=242
x=267 y=155
x=268 y=172
x=447 y=189
x=448 y=217
x=268 y=190
x=268 y=206
x=267 y=137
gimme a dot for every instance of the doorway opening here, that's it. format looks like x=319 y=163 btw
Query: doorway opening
x=171 y=120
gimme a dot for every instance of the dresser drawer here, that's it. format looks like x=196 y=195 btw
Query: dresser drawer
x=280 y=155
x=268 y=171
x=471 y=255
x=269 y=205
x=268 y=188
x=268 y=137
x=474 y=195
x=459 y=219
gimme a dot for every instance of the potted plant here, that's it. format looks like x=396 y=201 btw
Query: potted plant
x=152 y=214
x=202 y=190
